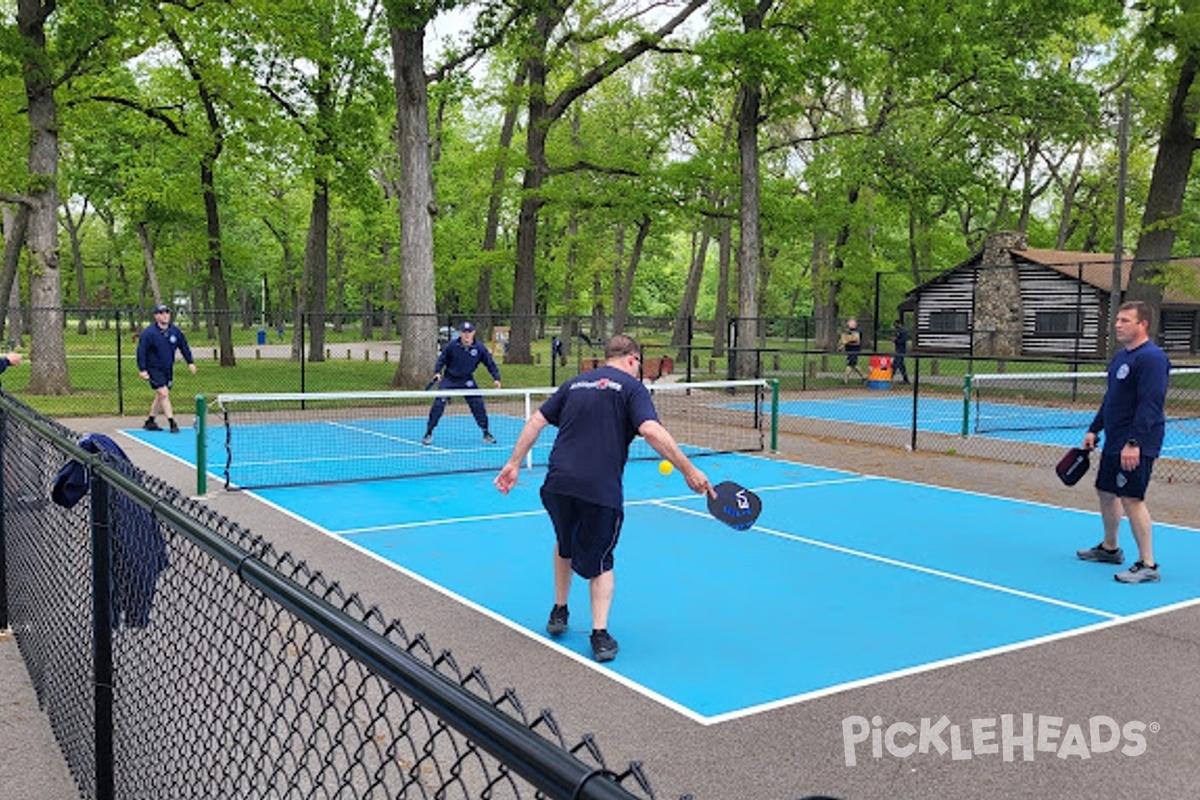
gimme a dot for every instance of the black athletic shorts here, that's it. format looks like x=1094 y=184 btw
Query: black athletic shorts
x=587 y=533
x=1114 y=480
x=159 y=377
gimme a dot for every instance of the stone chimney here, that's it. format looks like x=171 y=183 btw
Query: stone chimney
x=998 y=297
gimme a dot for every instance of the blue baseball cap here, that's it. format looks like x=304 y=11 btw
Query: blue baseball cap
x=160 y=308
x=466 y=327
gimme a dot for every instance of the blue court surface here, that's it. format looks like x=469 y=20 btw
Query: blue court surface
x=846 y=579
x=1058 y=427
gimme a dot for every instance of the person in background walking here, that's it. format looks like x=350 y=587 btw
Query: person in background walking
x=156 y=364
x=900 y=340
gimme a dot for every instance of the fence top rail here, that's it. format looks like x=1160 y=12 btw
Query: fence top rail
x=1000 y=377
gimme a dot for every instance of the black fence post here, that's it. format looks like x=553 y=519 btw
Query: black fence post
x=120 y=384
x=102 y=663
x=3 y=546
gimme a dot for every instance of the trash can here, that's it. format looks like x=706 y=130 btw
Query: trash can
x=880 y=376
x=262 y=336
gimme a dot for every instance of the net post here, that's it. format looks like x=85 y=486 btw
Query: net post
x=528 y=414
x=775 y=415
x=966 y=422
x=201 y=451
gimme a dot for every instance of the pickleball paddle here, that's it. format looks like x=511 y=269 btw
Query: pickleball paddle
x=735 y=505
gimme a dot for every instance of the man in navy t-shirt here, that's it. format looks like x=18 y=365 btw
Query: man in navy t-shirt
x=1133 y=421
x=156 y=363
x=597 y=414
x=455 y=369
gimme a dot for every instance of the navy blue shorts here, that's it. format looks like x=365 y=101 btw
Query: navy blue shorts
x=159 y=378
x=1112 y=479
x=852 y=359
x=587 y=533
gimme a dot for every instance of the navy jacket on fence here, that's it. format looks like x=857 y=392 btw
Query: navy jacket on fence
x=139 y=551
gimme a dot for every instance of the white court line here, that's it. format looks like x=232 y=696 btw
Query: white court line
x=884 y=677
x=658 y=501
x=915 y=567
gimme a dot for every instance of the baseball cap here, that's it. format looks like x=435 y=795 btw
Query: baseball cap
x=158 y=309
x=466 y=327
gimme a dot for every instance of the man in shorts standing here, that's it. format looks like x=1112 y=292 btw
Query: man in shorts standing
x=851 y=342
x=156 y=363
x=597 y=414
x=1133 y=421
x=455 y=369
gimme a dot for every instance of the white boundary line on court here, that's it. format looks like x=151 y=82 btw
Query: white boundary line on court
x=937 y=573
x=579 y=658
x=682 y=710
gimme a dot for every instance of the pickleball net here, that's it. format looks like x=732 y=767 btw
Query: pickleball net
x=290 y=439
x=1031 y=401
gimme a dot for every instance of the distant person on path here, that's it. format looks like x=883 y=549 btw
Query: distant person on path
x=851 y=342
x=156 y=363
x=455 y=369
x=1133 y=420
x=900 y=340
x=597 y=413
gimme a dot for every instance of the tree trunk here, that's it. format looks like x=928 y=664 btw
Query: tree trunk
x=48 y=366
x=749 y=239
x=147 y=244
x=621 y=303
x=418 y=323
x=691 y=293
x=16 y=223
x=73 y=231
x=1168 y=184
x=724 y=267
x=316 y=268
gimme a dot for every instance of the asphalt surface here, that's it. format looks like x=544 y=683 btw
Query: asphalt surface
x=1142 y=675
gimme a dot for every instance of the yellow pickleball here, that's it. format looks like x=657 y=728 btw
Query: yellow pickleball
x=665 y=467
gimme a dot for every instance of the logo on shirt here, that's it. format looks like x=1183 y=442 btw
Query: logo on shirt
x=603 y=383
x=1122 y=372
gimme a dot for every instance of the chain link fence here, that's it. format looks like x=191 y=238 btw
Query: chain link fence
x=178 y=655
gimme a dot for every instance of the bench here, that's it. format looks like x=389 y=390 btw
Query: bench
x=653 y=367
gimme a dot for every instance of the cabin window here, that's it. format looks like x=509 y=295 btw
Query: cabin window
x=948 y=322
x=1057 y=323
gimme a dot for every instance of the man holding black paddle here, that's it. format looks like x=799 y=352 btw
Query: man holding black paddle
x=597 y=414
x=1133 y=420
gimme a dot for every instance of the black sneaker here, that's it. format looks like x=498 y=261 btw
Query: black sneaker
x=1099 y=553
x=557 y=625
x=488 y=438
x=151 y=425
x=174 y=426
x=604 y=647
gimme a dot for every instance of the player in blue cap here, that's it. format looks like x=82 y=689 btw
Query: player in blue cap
x=156 y=363
x=455 y=369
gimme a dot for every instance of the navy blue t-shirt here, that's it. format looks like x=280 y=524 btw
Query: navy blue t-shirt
x=597 y=415
x=1133 y=403
x=458 y=362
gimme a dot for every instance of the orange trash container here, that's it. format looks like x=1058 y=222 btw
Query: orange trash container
x=880 y=376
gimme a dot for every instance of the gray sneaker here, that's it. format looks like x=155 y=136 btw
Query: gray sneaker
x=427 y=439
x=1098 y=553
x=1139 y=573
x=488 y=438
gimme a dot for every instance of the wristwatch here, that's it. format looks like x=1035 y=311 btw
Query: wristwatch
x=1132 y=443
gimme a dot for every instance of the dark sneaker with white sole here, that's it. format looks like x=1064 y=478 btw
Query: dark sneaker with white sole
x=604 y=647
x=557 y=624
x=1139 y=573
x=151 y=425
x=1099 y=553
